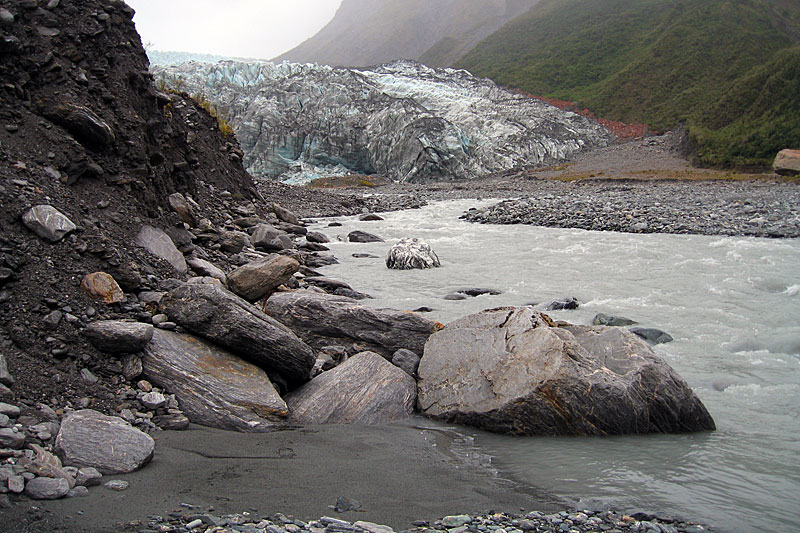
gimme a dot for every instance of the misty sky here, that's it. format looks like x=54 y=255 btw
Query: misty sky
x=239 y=28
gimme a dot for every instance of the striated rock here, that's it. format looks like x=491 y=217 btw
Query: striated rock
x=365 y=389
x=409 y=254
x=113 y=336
x=45 y=464
x=158 y=243
x=510 y=370
x=102 y=286
x=107 y=443
x=213 y=387
x=225 y=319
x=401 y=120
x=362 y=236
x=92 y=131
x=324 y=320
x=259 y=278
x=205 y=268
x=787 y=162
x=48 y=222
x=45 y=488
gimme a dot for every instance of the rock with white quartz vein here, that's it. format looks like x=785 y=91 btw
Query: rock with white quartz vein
x=402 y=120
x=409 y=254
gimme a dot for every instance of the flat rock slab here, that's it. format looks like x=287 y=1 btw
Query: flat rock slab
x=363 y=236
x=214 y=387
x=365 y=389
x=231 y=322
x=511 y=370
x=107 y=443
x=115 y=336
x=158 y=243
x=325 y=319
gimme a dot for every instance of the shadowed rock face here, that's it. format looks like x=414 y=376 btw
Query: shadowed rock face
x=510 y=370
x=401 y=120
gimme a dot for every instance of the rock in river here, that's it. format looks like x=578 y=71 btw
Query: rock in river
x=225 y=319
x=214 y=388
x=409 y=254
x=259 y=278
x=511 y=370
x=365 y=389
x=48 y=222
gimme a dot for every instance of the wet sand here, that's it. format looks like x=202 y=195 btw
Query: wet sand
x=396 y=472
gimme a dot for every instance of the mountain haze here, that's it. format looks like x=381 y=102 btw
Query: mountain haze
x=371 y=32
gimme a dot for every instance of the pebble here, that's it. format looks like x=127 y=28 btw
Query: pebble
x=116 y=484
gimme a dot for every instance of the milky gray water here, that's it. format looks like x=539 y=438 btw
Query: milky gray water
x=732 y=305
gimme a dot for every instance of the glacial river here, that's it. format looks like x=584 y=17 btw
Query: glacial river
x=732 y=305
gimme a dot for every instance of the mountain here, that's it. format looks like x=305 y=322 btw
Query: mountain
x=401 y=120
x=371 y=32
x=662 y=62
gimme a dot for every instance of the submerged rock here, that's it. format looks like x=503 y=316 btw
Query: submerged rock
x=652 y=335
x=362 y=236
x=409 y=254
x=511 y=370
x=602 y=319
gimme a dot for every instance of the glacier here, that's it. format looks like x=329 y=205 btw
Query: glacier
x=402 y=120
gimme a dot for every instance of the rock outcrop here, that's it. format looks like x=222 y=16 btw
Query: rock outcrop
x=214 y=388
x=365 y=389
x=328 y=320
x=511 y=370
x=401 y=120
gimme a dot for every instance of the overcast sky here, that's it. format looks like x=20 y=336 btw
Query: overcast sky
x=259 y=29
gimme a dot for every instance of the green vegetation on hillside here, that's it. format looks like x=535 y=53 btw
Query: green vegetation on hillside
x=663 y=62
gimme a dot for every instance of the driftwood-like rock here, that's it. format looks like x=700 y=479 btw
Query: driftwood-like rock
x=213 y=387
x=114 y=336
x=225 y=319
x=107 y=443
x=365 y=389
x=510 y=370
x=325 y=320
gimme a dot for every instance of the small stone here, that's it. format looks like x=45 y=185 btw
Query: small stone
x=11 y=438
x=5 y=377
x=102 y=286
x=116 y=484
x=144 y=385
x=88 y=377
x=88 y=477
x=6 y=17
x=48 y=223
x=16 y=484
x=456 y=520
x=78 y=492
x=153 y=400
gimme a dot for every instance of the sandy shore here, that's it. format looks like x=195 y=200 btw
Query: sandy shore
x=397 y=473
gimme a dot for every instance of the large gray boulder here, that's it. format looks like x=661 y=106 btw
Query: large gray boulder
x=225 y=319
x=326 y=320
x=365 y=389
x=787 y=162
x=268 y=238
x=107 y=443
x=46 y=488
x=48 y=222
x=214 y=387
x=409 y=254
x=258 y=278
x=158 y=243
x=511 y=370
x=116 y=336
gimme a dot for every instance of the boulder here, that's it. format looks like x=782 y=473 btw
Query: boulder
x=285 y=215
x=513 y=371
x=370 y=217
x=409 y=254
x=48 y=222
x=183 y=207
x=205 y=268
x=365 y=389
x=568 y=304
x=213 y=387
x=102 y=286
x=46 y=488
x=362 y=236
x=225 y=319
x=11 y=438
x=92 y=131
x=5 y=377
x=114 y=336
x=325 y=319
x=158 y=243
x=787 y=162
x=270 y=239
x=652 y=335
x=233 y=242
x=107 y=443
x=406 y=360
x=256 y=279
x=601 y=319
x=316 y=236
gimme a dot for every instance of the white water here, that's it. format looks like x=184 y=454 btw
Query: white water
x=732 y=305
